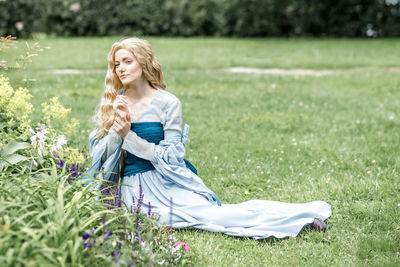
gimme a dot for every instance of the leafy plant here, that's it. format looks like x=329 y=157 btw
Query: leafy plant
x=45 y=212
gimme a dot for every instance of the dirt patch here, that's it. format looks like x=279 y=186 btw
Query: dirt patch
x=75 y=71
x=294 y=72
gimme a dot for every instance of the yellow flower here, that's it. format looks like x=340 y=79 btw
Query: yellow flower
x=20 y=108
x=71 y=155
x=5 y=92
x=56 y=116
x=54 y=112
x=70 y=127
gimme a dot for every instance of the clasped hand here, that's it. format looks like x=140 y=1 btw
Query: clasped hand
x=122 y=120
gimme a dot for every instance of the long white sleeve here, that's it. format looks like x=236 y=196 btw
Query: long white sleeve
x=172 y=133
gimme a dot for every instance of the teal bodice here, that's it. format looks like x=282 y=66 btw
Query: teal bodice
x=152 y=132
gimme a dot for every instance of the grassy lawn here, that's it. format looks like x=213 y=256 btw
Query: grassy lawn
x=288 y=138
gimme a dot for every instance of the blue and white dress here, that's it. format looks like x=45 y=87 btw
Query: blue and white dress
x=153 y=153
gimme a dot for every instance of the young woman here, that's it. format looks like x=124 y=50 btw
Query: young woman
x=140 y=138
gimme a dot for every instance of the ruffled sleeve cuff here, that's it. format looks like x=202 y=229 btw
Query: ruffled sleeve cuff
x=138 y=146
x=169 y=161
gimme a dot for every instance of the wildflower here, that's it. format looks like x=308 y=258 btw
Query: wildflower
x=86 y=236
x=34 y=162
x=87 y=245
x=75 y=7
x=107 y=235
x=19 y=25
x=149 y=211
x=74 y=170
x=39 y=137
x=20 y=108
x=60 y=141
x=116 y=254
x=61 y=163
x=182 y=245
x=71 y=155
x=6 y=91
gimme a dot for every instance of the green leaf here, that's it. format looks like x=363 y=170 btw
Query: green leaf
x=13 y=147
x=11 y=160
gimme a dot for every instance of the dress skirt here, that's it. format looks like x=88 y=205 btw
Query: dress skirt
x=253 y=218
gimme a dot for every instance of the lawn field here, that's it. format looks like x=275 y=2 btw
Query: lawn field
x=292 y=138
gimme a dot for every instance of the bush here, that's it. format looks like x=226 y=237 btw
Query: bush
x=353 y=18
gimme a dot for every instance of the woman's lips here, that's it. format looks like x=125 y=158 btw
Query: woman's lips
x=122 y=77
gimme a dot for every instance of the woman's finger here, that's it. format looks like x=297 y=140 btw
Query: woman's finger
x=122 y=99
x=120 y=114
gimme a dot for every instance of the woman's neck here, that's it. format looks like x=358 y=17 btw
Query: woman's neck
x=139 y=90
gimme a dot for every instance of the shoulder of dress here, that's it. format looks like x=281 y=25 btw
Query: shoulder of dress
x=93 y=134
x=168 y=98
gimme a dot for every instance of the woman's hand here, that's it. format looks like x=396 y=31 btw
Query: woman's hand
x=122 y=123
x=120 y=103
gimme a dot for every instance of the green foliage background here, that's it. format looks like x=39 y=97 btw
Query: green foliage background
x=349 y=18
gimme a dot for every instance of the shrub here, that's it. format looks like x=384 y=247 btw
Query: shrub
x=353 y=18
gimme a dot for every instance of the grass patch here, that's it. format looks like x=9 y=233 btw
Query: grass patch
x=335 y=138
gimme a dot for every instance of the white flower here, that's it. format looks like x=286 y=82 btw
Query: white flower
x=40 y=136
x=60 y=141
x=19 y=25
x=75 y=7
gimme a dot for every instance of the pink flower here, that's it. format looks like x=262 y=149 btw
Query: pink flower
x=181 y=245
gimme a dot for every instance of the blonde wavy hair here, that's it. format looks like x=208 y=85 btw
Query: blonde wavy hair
x=151 y=68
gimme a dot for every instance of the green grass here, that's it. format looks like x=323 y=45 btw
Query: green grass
x=334 y=138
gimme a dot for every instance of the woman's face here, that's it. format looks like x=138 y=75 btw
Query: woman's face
x=127 y=67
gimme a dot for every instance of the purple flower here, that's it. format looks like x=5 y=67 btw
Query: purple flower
x=87 y=245
x=116 y=254
x=105 y=191
x=61 y=163
x=86 y=236
x=92 y=231
x=107 y=235
x=149 y=211
x=116 y=262
x=74 y=170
